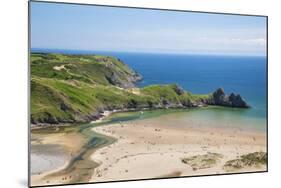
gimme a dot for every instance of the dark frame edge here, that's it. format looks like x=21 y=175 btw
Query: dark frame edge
x=267 y=120
x=29 y=95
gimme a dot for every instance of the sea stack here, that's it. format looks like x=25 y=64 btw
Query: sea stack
x=220 y=98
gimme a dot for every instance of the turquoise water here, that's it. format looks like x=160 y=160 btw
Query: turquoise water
x=203 y=74
x=216 y=117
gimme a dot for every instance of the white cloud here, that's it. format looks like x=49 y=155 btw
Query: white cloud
x=187 y=40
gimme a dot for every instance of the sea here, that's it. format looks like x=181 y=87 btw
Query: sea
x=202 y=74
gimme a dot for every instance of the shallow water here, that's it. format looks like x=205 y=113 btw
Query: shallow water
x=208 y=117
x=47 y=157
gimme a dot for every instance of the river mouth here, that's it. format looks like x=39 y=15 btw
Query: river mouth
x=65 y=161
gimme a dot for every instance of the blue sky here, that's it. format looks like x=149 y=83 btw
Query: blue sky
x=78 y=27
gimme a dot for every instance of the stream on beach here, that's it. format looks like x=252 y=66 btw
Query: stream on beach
x=49 y=157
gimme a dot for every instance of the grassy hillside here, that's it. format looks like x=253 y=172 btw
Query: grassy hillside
x=78 y=88
x=92 y=69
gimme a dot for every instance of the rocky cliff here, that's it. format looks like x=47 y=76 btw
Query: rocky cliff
x=221 y=99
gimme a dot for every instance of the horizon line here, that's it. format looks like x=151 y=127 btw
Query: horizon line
x=146 y=52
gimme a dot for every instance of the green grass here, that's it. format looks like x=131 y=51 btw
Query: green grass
x=46 y=104
x=86 y=68
x=165 y=92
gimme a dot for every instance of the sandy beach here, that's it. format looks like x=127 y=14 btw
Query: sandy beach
x=147 y=149
x=169 y=145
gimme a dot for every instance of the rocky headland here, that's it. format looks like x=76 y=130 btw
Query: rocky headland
x=79 y=88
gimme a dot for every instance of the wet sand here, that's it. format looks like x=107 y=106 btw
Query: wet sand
x=148 y=149
x=47 y=157
x=51 y=153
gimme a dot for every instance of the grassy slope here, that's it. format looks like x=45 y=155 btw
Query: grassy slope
x=76 y=88
x=87 y=68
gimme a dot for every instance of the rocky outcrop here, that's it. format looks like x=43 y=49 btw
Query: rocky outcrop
x=136 y=77
x=208 y=160
x=251 y=160
x=220 y=98
x=179 y=90
x=123 y=81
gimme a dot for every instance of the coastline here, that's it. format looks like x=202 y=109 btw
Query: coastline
x=106 y=113
x=103 y=115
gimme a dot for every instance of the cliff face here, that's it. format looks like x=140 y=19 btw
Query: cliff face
x=78 y=88
x=119 y=80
